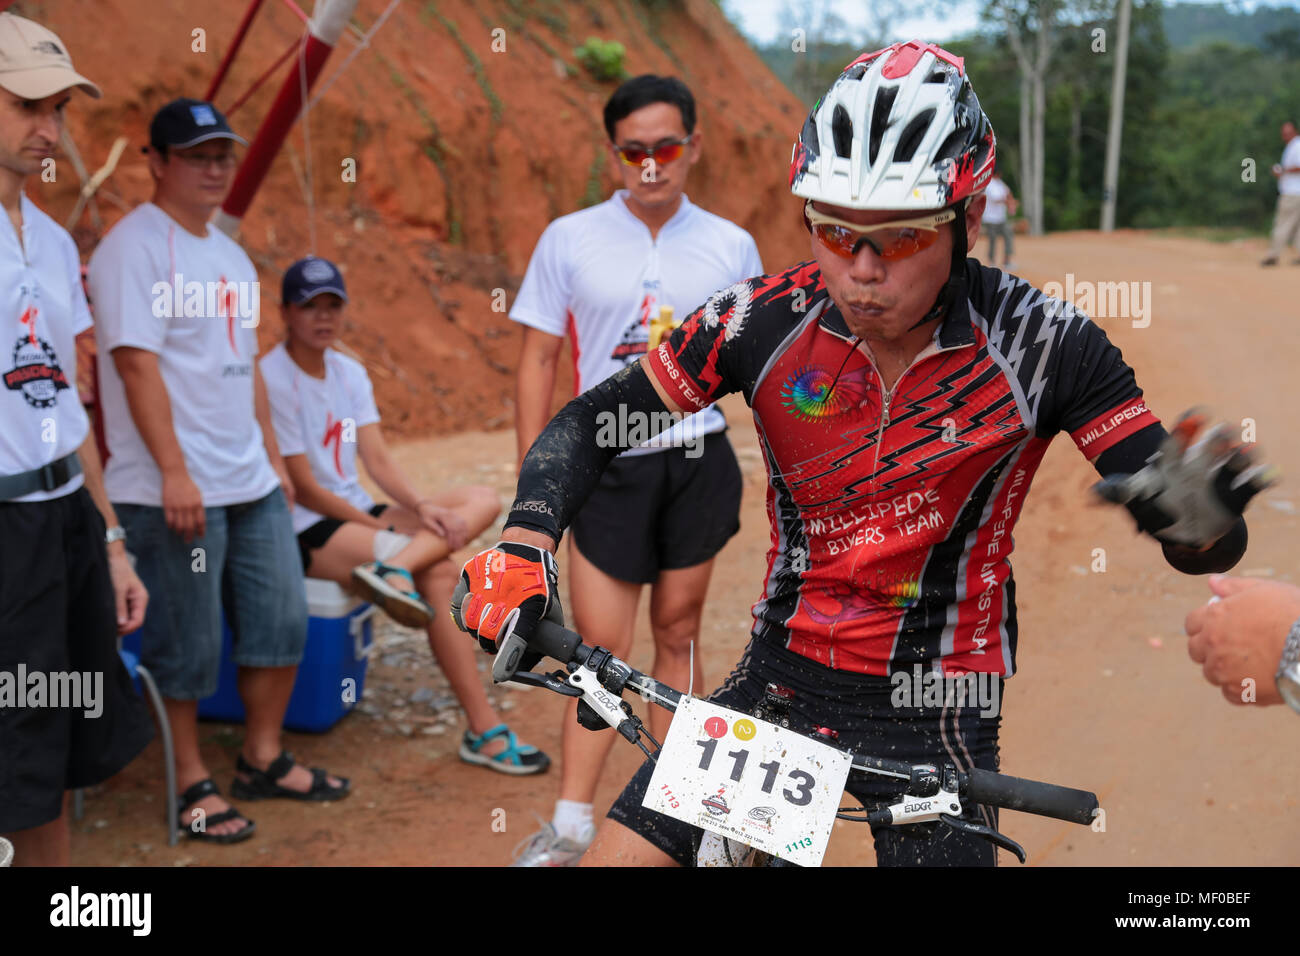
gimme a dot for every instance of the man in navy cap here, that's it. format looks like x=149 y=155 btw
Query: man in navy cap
x=194 y=470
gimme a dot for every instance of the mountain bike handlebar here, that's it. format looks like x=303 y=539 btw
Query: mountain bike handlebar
x=919 y=780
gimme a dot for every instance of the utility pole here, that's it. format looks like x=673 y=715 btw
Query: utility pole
x=1116 y=120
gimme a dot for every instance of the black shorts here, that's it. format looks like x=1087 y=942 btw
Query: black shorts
x=661 y=511
x=58 y=620
x=860 y=709
x=314 y=536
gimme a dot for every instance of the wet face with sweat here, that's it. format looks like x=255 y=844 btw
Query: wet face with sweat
x=882 y=299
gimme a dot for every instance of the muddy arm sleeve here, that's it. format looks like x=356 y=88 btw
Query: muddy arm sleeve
x=563 y=466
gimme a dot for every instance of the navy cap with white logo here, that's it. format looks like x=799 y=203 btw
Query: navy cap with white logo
x=183 y=123
x=310 y=277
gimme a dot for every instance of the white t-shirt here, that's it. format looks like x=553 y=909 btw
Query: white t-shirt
x=320 y=418
x=597 y=275
x=42 y=309
x=1288 y=184
x=995 y=210
x=193 y=301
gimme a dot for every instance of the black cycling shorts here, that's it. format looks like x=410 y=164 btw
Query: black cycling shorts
x=661 y=511
x=315 y=535
x=859 y=707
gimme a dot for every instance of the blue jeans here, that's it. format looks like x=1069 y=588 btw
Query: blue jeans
x=247 y=561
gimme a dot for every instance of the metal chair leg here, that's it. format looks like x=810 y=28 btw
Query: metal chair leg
x=169 y=755
x=78 y=804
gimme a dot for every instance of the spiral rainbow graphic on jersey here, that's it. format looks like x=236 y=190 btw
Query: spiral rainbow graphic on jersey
x=902 y=593
x=812 y=395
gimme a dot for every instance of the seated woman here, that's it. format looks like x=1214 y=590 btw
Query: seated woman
x=397 y=556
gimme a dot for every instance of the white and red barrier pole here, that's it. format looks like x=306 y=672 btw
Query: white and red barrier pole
x=229 y=58
x=326 y=26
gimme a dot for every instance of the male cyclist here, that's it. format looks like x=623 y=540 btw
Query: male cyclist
x=904 y=396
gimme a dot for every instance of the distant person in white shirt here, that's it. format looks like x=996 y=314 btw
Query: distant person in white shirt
x=194 y=470
x=67 y=589
x=1286 y=221
x=998 y=210
x=324 y=412
x=662 y=511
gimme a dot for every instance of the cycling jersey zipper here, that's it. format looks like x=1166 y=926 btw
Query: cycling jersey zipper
x=887 y=396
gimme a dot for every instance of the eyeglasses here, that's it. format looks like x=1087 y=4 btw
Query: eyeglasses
x=661 y=152
x=204 y=160
x=896 y=239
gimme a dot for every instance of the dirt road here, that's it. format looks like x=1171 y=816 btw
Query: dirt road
x=1105 y=697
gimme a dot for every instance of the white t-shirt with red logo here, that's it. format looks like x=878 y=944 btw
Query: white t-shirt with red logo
x=194 y=302
x=42 y=310
x=598 y=276
x=320 y=418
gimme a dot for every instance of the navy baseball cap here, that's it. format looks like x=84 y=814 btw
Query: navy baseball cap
x=183 y=123
x=310 y=277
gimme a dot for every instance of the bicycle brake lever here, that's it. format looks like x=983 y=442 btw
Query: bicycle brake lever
x=987 y=833
x=549 y=681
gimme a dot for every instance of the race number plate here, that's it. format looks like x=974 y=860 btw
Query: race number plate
x=752 y=781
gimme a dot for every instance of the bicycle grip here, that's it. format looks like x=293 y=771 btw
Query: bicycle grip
x=554 y=640
x=1031 y=796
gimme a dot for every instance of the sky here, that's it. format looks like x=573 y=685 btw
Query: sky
x=760 y=20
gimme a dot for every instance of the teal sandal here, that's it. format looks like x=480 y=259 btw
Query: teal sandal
x=403 y=606
x=515 y=759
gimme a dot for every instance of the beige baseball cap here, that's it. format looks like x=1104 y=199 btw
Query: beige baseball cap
x=34 y=63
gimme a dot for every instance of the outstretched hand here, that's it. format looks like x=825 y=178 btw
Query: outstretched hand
x=1193 y=489
x=1239 y=637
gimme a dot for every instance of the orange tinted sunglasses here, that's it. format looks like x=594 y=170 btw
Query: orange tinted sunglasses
x=662 y=152
x=896 y=239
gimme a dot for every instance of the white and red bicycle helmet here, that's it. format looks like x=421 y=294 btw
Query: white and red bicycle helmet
x=900 y=128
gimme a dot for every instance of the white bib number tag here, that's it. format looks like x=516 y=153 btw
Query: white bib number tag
x=747 y=779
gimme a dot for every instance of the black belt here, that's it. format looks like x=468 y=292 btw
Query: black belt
x=46 y=478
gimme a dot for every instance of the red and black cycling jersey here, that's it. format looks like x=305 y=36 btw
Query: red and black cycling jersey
x=892 y=512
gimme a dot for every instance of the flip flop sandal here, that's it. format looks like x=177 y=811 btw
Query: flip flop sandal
x=262 y=785
x=514 y=759
x=206 y=788
x=404 y=607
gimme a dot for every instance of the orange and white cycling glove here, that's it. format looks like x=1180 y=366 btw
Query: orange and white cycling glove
x=504 y=592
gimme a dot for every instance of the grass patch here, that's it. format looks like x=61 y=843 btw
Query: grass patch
x=437 y=149
x=480 y=75
x=651 y=27
x=595 y=191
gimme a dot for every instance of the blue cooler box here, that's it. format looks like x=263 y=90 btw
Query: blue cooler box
x=339 y=641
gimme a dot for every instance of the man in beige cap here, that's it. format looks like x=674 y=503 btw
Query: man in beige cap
x=69 y=717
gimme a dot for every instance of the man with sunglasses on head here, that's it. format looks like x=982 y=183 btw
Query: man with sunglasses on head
x=663 y=510
x=904 y=395
x=194 y=470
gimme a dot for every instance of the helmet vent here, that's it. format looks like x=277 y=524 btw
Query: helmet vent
x=937 y=76
x=842 y=131
x=912 y=136
x=952 y=146
x=880 y=120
